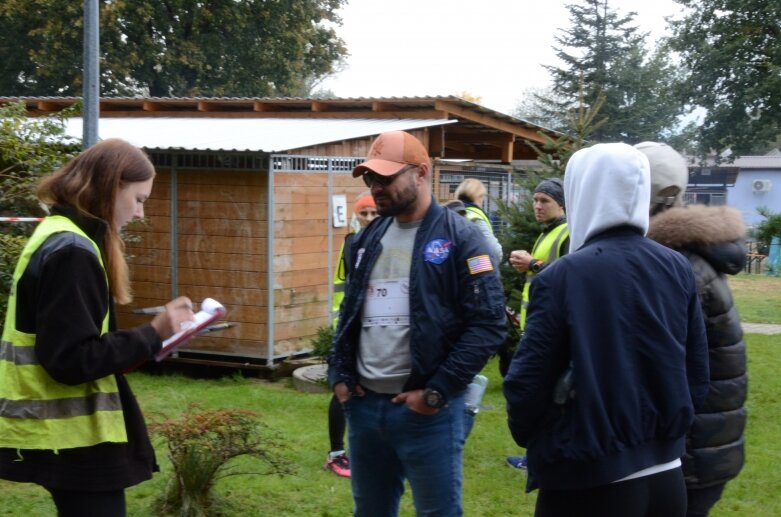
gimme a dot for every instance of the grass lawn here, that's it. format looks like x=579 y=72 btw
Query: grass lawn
x=758 y=297
x=490 y=487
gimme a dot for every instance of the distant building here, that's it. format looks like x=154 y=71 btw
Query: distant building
x=758 y=184
x=745 y=184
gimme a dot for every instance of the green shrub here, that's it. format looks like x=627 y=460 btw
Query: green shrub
x=10 y=248
x=201 y=445
x=321 y=343
x=767 y=229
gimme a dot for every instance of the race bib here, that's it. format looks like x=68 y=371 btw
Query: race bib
x=387 y=303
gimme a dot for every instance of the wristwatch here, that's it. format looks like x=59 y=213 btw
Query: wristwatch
x=535 y=265
x=433 y=398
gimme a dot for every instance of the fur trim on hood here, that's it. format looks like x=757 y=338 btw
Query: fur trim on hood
x=697 y=225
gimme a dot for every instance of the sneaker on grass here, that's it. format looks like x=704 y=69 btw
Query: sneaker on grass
x=339 y=465
x=517 y=462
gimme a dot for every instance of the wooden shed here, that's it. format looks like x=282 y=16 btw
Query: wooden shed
x=248 y=203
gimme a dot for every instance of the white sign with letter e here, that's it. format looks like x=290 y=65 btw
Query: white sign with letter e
x=339 y=204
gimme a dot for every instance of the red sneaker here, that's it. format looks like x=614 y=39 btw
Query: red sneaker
x=339 y=465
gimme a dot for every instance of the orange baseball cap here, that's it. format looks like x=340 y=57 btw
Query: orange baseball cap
x=392 y=151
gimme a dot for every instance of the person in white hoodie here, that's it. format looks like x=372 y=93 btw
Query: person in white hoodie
x=614 y=356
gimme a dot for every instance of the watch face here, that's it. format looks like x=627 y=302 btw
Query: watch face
x=433 y=398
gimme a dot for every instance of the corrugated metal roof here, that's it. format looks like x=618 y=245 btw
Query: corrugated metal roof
x=757 y=162
x=242 y=134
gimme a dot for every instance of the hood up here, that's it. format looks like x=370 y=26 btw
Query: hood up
x=605 y=186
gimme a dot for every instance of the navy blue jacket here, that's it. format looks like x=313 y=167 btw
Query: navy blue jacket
x=457 y=319
x=625 y=311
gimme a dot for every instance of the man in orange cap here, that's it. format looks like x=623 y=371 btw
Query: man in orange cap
x=422 y=314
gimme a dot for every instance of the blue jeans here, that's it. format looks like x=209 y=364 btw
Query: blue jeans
x=390 y=443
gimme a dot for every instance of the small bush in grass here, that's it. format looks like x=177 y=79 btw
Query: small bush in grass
x=321 y=343
x=201 y=445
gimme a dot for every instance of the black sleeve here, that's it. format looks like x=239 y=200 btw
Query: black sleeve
x=541 y=357
x=348 y=254
x=70 y=303
x=482 y=305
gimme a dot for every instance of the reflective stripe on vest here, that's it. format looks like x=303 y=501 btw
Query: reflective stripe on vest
x=548 y=249
x=475 y=214
x=37 y=412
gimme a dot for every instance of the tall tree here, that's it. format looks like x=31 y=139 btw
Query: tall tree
x=172 y=47
x=606 y=52
x=731 y=52
x=534 y=106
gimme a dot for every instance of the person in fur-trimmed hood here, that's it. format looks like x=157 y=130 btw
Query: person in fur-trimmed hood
x=712 y=239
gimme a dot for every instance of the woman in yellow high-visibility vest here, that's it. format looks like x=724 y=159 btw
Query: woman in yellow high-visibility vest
x=68 y=419
x=472 y=193
x=365 y=211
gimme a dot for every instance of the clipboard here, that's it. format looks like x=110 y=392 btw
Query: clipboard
x=211 y=311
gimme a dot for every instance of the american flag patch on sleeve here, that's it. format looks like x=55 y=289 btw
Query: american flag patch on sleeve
x=479 y=264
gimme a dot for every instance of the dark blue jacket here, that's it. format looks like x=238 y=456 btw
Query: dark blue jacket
x=457 y=319
x=625 y=311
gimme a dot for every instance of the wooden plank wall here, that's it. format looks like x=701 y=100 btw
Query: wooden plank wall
x=221 y=241
x=301 y=253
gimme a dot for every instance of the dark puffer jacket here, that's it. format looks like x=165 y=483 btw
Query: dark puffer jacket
x=712 y=238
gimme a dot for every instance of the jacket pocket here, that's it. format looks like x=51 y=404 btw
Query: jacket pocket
x=487 y=296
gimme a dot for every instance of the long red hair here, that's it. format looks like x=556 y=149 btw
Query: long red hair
x=90 y=183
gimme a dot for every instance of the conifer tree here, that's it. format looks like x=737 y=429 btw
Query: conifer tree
x=605 y=51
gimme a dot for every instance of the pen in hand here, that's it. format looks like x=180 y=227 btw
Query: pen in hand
x=153 y=310
x=150 y=310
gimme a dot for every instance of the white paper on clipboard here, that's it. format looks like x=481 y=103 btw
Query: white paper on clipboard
x=211 y=311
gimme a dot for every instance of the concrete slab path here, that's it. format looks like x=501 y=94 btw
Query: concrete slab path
x=761 y=328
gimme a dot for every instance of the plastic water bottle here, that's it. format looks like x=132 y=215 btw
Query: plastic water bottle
x=474 y=394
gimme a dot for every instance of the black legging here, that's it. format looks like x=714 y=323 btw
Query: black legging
x=659 y=495
x=336 y=424
x=72 y=503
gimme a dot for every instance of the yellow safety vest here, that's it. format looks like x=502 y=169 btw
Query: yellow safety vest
x=340 y=276
x=547 y=248
x=37 y=412
x=475 y=214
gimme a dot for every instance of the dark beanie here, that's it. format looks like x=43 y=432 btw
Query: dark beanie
x=554 y=188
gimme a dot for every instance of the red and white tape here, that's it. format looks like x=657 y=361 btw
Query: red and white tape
x=21 y=219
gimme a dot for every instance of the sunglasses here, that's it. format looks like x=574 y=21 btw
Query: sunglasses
x=372 y=178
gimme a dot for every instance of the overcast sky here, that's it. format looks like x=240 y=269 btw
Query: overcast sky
x=492 y=49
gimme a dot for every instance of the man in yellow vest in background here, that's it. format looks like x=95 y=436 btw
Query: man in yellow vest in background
x=552 y=243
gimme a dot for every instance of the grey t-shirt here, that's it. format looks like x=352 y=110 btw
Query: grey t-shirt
x=384 y=358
